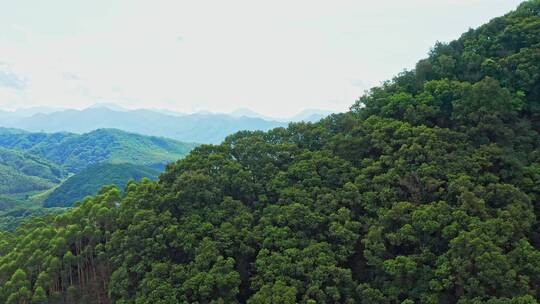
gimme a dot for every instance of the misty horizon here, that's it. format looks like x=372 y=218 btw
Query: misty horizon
x=238 y=112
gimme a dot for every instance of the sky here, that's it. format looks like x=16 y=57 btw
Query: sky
x=275 y=57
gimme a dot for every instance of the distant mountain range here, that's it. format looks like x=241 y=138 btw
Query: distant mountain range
x=308 y=115
x=201 y=127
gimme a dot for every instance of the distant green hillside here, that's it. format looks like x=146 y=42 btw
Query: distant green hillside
x=75 y=152
x=16 y=209
x=90 y=180
x=12 y=181
x=7 y=203
x=13 y=218
x=32 y=165
x=11 y=131
x=22 y=172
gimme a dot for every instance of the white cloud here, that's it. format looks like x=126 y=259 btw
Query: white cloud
x=276 y=57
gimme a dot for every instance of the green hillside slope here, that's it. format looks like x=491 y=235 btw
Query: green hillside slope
x=427 y=191
x=76 y=152
x=23 y=172
x=31 y=165
x=11 y=131
x=90 y=180
x=12 y=181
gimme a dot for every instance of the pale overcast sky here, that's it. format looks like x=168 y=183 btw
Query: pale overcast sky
x=275 y=57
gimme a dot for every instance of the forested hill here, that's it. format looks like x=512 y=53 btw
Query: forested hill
x=75 y=152
x=427 y=191
x=91 y=179
x=20 y=172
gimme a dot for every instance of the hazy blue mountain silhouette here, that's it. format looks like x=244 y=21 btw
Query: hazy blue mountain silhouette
x=198 y=127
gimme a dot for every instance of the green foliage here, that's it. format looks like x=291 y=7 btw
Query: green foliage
x=20 y=213
x=31 y=165
x=13 y=181
x=90 y=180
x=22 y=172
x=34 y=162
x=426 y=192
x=75 y=152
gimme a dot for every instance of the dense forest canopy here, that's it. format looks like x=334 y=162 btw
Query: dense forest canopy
x=427 y=191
